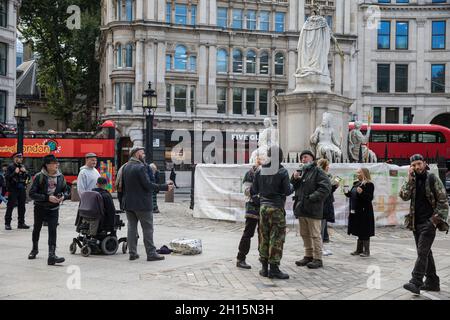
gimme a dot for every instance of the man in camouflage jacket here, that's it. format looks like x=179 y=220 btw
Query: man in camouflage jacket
x=428 y=210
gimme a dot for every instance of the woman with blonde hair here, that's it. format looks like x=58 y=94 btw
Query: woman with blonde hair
x=361 y=220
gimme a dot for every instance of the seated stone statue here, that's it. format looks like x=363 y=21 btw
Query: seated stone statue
x=324 y=141
x=356 y=145
x=267 y=138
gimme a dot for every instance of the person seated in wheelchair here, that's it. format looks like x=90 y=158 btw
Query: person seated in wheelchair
x=97 y=210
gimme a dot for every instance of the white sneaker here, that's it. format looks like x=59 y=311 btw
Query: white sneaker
x=326 y=252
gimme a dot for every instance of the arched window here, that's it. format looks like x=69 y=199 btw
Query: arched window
x=222 y=61
x=129 y=56
x=237 y=61
x=264 y=63
x=279 y=64
x=119 y=56
x=129 y=9
x=251 y=62
x=119 y=10
x=180 y=58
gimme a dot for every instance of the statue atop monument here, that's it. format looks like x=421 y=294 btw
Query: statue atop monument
x=267 y=138
x=324 y=142
x=312 y=74
x=357 y=150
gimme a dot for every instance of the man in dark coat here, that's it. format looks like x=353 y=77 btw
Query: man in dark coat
x=173 y=177
x=137 y=192
x=312 y=187
x=108 y=204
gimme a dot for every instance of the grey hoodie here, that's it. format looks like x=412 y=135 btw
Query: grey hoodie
x=52 y=181
x=87 y=179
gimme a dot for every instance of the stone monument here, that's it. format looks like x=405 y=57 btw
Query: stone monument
x=267 y=138
x=357 y=150
x=324 y=143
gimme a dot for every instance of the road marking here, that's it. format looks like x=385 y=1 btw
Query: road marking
x=429 y=296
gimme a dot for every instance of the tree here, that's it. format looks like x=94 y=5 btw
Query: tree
x=68 y=69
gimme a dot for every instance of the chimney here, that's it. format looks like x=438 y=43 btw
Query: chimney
x=28 y=51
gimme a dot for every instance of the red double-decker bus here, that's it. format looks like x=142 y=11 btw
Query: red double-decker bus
x=399 y=141
x=69 y=147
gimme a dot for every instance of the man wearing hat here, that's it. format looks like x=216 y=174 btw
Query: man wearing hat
x=87 y=178
x=16 y=180
x=312 y=187
x=137 y=192
x=428 y=209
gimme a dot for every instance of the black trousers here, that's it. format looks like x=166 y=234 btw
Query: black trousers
x=51 y=216
x=424 y=237
x=249 y=232
x=16 y=198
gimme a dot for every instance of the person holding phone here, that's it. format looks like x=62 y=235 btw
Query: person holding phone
x=361 y=220
x=49 y=190
x=428 y=209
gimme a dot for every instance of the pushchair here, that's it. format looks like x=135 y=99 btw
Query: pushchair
x=94 y=237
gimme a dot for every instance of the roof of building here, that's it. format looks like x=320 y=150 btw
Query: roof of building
x=26 y=82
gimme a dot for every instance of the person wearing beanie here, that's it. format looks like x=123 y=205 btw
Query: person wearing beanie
x=312 y=187
x=428 y=209
x=49 y=190
x=87 y=178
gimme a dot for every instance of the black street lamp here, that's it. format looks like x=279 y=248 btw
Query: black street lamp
x=150 y=103
x=20 y=113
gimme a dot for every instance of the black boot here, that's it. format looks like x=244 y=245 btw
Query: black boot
x=315 y=264
x=52 y=258
x=242 y=264
x=276 y=273
x=304 y=261
x=366 y=249
x=431 y=284
x=413 y=286
x=359 y=248
x=264 y=272
x=34 y=251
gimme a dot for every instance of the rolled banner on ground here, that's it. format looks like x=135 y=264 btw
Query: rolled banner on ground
x=186 y=246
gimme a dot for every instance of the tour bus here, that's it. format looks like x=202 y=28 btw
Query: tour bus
x=399 y=141
x=69 y=147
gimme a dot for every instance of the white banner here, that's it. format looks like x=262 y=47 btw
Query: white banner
x=219 y=191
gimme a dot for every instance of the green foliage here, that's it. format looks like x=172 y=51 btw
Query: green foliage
x=68 y=70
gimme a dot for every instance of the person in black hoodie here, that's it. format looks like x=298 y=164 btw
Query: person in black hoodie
x=49 y=190
x=107 y=223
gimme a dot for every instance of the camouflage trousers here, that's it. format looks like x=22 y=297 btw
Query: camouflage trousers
x=272 y=232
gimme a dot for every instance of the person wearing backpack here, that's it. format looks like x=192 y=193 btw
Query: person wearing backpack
x=428 y=211
x=49 y=190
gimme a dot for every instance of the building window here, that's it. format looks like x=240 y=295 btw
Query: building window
x=439 y=1
x=401 y=36
x=264 y=63
x=3 y=13
x=329 y=21
x=402 y=1
x=279 y=64
x=383 y=78
x=168 y=97
x=437 y=78
x=392 y=115
x=377 y=115
x=180 y=98
x=222 y=17
x=3 y=58
x=129 y=9
x=193 y=15
x=193 y=63
x=384 y=1
x=263 y=101
x=251 y=101
x=119 y=8
x=237 y=18
x=237 y=100
x=438 y=35
x=119 y=56
x=237 y=61
x=264 y=18
x=129 y=56
x=181 y=14
x=118 y=96
x=168 y=12
x=124 y=95
x=180 y=58
x=168 y=62
x=251 y=19
x=277 y=92
x=279 y=21
x=3 y=99
x=222 y=61
x=401 y=78
x=221 y=99
x=129 y=96
x=192 y=98
x=251 y=62
x=407 y=115
x=384 y=35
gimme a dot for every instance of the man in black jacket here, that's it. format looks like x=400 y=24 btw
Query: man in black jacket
x=312 y=187
x=16 y=180
x=137 y=192
x=49 y=190
x=107 y=223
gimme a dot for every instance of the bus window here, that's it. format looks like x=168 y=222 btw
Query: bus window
x=378 y=136
x=427 y=137
x=69 y=167
x=399 y=137
x=440 y=137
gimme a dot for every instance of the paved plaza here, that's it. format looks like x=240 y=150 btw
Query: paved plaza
x=213 y=274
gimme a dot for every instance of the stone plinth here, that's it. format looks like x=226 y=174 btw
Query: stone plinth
x=300 y=113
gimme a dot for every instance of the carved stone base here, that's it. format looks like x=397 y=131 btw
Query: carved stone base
x=312 y=83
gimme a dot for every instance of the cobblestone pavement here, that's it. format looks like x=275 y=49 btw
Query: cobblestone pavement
x=213 y=274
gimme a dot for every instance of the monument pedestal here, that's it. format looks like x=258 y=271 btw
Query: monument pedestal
x=300 y=113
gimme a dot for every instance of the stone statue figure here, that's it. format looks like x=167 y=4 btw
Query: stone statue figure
x=267 y=138
x=356 y=145
x=312 y=74
x=324 y=142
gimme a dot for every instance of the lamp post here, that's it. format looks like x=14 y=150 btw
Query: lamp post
x=149 y=103
x=20 y=113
